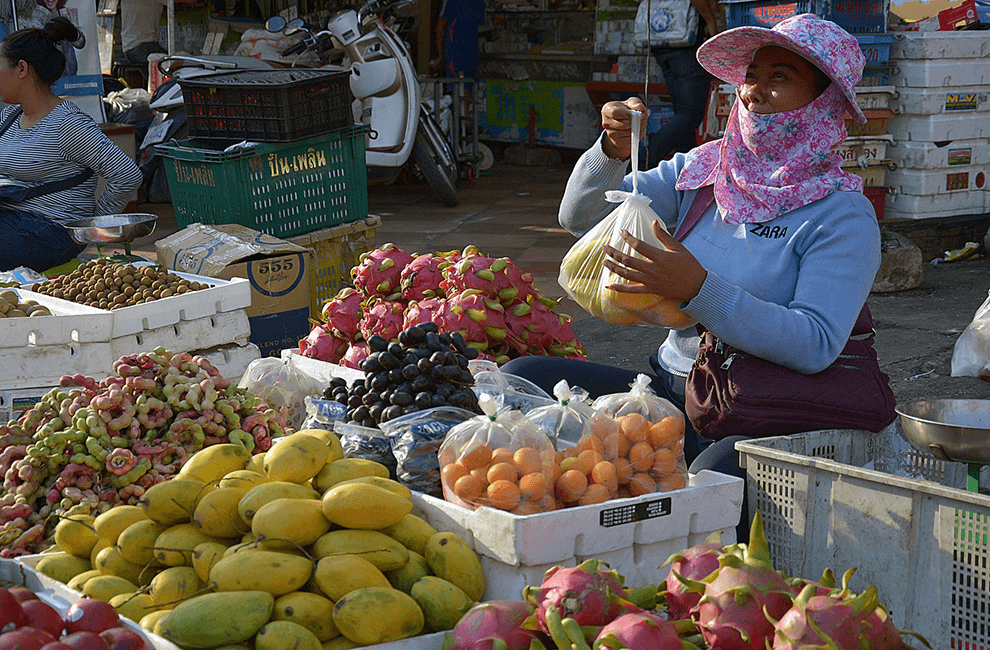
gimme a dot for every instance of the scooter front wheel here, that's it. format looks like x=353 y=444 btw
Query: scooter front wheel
x=436 y=160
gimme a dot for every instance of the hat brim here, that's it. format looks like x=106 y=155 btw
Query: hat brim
x=727 y=56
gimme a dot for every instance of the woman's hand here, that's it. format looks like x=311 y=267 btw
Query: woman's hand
x=617 y=123
x=671 y=273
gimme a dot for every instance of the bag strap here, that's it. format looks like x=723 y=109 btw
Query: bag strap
x=14 y=114
x=703 y=199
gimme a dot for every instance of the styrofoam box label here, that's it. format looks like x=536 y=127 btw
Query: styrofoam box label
x=14 y=402
x=909 y=206
x=874 y=96
x=936 y=101
x=941 y=45
x=940 y=73
x=70 y=322
x=938 y=128
x=864 y=151
x=938 y=181
x=929 y=155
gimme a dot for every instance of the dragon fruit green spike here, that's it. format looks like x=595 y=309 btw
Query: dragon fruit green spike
x=823 y=587
x=343 y=312
x=383 y=317
x=824 y=621
x=639 y=630
x=696 y=563
x=563 y=341
x=322 y=344
x=588 y=593
x=423 y=311
x=500 y=278
x=528 y=326
x=356 y=353
x=421 y=277
x=478 y=318
x=379 y=270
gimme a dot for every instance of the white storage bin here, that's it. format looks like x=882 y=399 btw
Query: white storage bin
x=929 y=155
x=70 y=322
x=938 y=128
x=231 y=360
x=940 y=73
x=925 y=546
x=912 y=206
x=864 y=151
x=874 y=96
x=938 y=181
x=635 y=535
x=14 y=402
x=937 y=101
x=321 y=370
x=188 y=335
x=44 y=365
x=941 y=45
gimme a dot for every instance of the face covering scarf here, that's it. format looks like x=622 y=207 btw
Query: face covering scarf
x=767 y=165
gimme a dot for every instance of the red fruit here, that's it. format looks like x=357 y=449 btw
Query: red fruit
x=120 y=638
x=85 y=641
x=90 y=615
x=23 y=594
x=44 y=617
x=25 y=638
x=58 y=645
x=491 y=621
x=11 y=610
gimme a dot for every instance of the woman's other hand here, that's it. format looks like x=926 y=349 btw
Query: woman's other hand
x=671 y=273
x=617 y=123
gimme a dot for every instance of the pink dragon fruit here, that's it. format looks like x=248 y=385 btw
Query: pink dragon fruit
x=356 y=353
x=823 y=621
x=638 y=631
x=563 y=341
x=342 y=313
x=421 y=277
x=423 y=311
x=382 y=317
x=823 y=587
x=696 y=563
x=587 y=593
x=322 y=344
x=740 y=598
x=479 y=319
x=493 y=625
x=527 y=326
x=880 y=633
x=378 y=271
x=500 y=278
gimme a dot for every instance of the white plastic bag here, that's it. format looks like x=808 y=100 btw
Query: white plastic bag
x=281 y=386
x=585 y=278
x=570 y=418
x=665 y=23
x=971 y=354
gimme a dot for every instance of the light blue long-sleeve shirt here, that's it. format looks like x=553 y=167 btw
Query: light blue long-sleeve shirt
x=787 y=290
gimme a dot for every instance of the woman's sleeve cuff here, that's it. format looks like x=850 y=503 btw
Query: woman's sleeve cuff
x=600 y=164
x=711 y=303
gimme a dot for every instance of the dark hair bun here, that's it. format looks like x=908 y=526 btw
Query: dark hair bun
x=60 y=29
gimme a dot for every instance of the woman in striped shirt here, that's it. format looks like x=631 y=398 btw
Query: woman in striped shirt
x=51 y=154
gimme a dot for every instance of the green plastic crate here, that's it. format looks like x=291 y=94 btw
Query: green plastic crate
x=281 y=189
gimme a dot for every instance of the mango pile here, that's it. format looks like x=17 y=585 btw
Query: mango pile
x=297 y=547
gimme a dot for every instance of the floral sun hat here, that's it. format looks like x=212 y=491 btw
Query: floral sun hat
x=832 y=49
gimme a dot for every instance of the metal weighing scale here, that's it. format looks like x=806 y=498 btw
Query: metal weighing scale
x=113 y=229
x=955 y=430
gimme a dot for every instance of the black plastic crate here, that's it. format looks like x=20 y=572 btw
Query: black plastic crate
x=267 y=105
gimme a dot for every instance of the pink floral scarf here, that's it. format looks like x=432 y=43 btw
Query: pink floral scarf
x=767 y=165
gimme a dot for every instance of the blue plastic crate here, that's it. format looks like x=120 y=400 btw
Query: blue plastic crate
x=876 y=47
x=855 y=16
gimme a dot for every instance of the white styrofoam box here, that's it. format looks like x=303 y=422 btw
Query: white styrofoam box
x=232 y=359
x=864 y=150
x=939 y=128
x=940 y=73
x=944 y=155
x=874 y=96
x=911 y=206
x=941 y=45
x=321 y=370
x=188 y=335
x=70 y=322
x=922 y=544
x=936 y=101
x=874 y=174
x=633 y=535
x=21 y=573
x=40 y=365
x=938 y=181
x=14 y=402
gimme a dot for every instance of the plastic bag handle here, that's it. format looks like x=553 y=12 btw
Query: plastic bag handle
x=637 y=119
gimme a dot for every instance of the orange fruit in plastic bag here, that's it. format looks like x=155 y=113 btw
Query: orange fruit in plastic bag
x=666 y=431
x=641 y=484
x=604 y=473
x=468 y=488
x=635 y=427
x=503 y=494
x=570 y=463
x=671 y=482
x=569 y=452
x=641 y=456
x=623 y=470
x=664 y=462
x=603 y=426
x=501 y=455
x=587 y=460
x=528 y=508
x=534 y=486
x=630 y=301
x=594 y=494
x=591 y=442
x=668 y=310
x=527 y=460
x=615 y=446
x=571 y=485
x=476 y=456
x=502 y=471
x=451 y=472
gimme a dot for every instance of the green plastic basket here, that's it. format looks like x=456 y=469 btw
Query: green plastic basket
x=281 y=189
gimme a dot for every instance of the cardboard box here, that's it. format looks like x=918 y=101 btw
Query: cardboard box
x=947 y=20
x=279 y=273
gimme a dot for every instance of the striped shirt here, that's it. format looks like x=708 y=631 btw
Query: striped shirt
x=61 y=145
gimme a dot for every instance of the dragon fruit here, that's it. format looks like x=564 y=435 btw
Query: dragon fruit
x=421 y=277
x=478 y=318
x=638 y=631
x=880 y=633
x=492 y=625
x=527 y=326
x=587 y=593
x=356 y=353
x=342 y=313
x=823 y=621
x=322 y=344
x=500 y=278
x=696 y=563
x=382 y=317
x=735 y=598
x=378 y=271
x=563 y=341
x=823 y=587
x=422 y=311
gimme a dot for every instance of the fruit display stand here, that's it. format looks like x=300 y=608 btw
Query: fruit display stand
x=922 y=544
x=634 y=535
x=21 y=573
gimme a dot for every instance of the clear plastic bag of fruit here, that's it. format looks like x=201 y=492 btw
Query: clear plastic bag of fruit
x=359 y=441
x=510 y=391
x=647 y=442
x=323 y=413
x=416 y=438
x=280 y=385
x=570 y=418
x=499 y=459
x=586 y=280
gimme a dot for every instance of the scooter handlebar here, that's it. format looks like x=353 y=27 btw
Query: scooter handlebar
x=298 y=48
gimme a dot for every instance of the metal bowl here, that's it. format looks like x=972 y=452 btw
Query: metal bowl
x=111 y=228
x=951 y=429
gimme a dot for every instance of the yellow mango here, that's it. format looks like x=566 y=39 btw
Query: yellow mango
x=134 y=606
x=174 y=547
x=452 y=559
x=404 y=578
x=384 y=483
x=379 y=549
x=258 y=496
x=242 y=479
x=62 y=566
x=286 y=635
x=271 y=571
x=204 y=556
x=216 y=513
x=336 y=449
x=75 y=535
x=443 y=603
x=296 y=458
x=172 y=502
x=340 y=643
x=256 y=465
x=412 y=532
x=212 y=463
x=313 y=612
x=289 y=523
x=212 y=620
x=364 y=506
x=112 y=523
x=148 y=621
x=104 y=587
x=338 y=575
x=346 y=469
x=136 y=543
x=99 y=546
x=175 y=585
x=374 y=615
x=77 y=583
x=110 y=562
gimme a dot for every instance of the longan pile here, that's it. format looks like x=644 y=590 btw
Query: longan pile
x=519 y=481
x=106 y=285
x=11 y=306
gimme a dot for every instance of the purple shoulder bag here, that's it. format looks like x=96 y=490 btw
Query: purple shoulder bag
x=730 y=392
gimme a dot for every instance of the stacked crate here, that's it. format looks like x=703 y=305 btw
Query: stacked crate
x=942 y=127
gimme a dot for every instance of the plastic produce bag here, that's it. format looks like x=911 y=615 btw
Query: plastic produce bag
x=499 y=459
x=323 y=413
x=510 y=391
x=416 y=438
x=363 y=442
x=585 y=278
x=971 y=353
x=280 y=385
x=571 y=418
